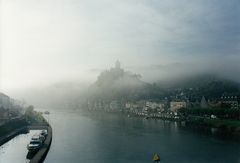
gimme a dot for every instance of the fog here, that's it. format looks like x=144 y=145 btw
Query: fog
x=48 y=43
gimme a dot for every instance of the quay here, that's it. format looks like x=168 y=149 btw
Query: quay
x=12 y=134
x=40 y=156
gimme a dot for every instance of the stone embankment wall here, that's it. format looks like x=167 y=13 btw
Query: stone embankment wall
x=40 y=156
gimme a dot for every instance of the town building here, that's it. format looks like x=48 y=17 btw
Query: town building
x=175 y=105
x=229 y=101
x=115 y=105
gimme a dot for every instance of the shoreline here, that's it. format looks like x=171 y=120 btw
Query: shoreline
x=216 y=127
x=12 y=129
x=8 y=136
x=11 y=133
x=40 y=156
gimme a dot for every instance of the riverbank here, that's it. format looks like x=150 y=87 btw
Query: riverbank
x=40 y=156
x=33 y=121
x=227 y=126
x=231 y=126
x=17 y=126
x=12 y=129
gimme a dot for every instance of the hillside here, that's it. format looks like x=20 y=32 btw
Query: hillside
x=117 y=83
x=210 y=86
x=122 y=85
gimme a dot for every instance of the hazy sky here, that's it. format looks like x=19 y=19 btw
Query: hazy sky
x=45 y=41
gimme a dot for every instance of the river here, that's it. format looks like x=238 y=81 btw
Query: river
x=15 y=151
x=83 y=138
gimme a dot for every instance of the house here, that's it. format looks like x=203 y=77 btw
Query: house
x=156 y=106
x=115 y=105
x=228 y=101
x=175 y=105
x=152 y=105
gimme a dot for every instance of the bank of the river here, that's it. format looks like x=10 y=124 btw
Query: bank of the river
x=12 y=129
x=42 y=153
x=15 y=127
x=231 y=127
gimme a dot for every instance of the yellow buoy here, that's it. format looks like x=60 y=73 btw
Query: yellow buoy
x=156 y=157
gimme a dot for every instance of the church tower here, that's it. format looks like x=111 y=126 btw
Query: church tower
x=203 y=103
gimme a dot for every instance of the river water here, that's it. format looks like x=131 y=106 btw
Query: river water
x=15 y=151
x=97 y=138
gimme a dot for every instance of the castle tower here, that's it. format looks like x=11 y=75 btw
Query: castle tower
x=117 y=64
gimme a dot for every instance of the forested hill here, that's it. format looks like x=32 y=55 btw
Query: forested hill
x=210 y=86
x=192 y=81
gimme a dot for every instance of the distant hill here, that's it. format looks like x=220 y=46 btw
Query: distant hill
x=194 y=81
x=203 y=85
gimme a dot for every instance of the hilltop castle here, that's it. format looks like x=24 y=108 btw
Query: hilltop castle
x=117 y=65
